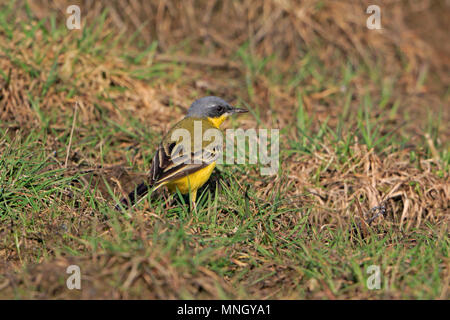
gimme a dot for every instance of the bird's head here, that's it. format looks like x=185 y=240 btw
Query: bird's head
x=215 y=109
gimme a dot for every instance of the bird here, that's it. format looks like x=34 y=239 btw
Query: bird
x=174 y=164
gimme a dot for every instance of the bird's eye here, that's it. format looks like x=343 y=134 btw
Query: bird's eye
x=220 y=109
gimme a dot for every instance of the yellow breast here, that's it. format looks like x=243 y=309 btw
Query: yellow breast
x=193 y=181
x=216 y=122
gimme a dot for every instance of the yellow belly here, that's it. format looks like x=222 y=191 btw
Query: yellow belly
x=193 y=181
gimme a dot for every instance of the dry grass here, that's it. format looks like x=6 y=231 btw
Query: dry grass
x=413 y=195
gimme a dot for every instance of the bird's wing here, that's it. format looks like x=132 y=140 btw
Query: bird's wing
x=172 y=162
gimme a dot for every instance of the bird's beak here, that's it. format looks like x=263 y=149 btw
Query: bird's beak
x=238 y=110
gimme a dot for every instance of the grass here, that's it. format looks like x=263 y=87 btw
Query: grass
x=291 y=236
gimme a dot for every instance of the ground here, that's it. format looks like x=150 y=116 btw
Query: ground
x=362 y=117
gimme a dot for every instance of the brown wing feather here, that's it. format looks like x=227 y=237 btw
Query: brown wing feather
x=163 y=169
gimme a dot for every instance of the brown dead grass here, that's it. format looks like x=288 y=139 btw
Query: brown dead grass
x=282 y=28
x=412 y=195
x=127 y=277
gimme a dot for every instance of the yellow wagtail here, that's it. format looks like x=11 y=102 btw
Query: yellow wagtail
x=169 y=166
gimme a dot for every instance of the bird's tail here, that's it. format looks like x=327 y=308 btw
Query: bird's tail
x=133 y=197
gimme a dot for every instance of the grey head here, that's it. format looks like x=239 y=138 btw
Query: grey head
x=211 y=107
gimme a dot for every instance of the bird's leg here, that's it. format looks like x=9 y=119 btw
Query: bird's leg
x=193 y=199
